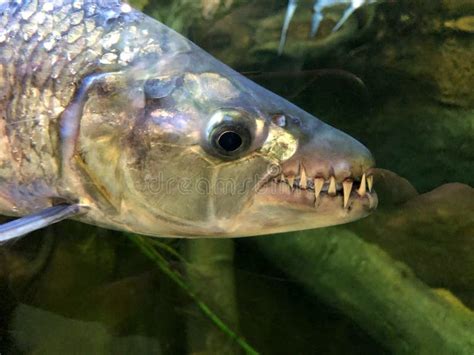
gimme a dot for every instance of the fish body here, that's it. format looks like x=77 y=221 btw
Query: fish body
x=106 y=108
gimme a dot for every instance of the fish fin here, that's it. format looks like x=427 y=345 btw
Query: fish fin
x=344 y=18
x=317 y=17
x=290 y=11
x=24 y=225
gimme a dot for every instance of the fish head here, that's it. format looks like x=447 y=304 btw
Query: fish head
x=207 y=152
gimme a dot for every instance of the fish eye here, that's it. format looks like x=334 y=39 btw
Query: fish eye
x=229 y=133
x=230 y=140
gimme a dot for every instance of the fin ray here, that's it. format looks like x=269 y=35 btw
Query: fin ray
x=24 y=225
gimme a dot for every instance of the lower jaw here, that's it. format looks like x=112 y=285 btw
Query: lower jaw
x=270 y=214
x=306 y=199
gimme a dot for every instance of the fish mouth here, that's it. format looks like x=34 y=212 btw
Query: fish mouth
x=312 y=191
x=286 y=202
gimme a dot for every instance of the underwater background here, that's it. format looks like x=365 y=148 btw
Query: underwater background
x=399 y=77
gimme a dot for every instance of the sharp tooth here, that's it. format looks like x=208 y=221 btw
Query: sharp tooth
x=291 y=181
x=362 y=189
x=347 y=188
x=370 y=182
x=318 y=186
x=282 y=178
x=332 y=186
x=303 y=179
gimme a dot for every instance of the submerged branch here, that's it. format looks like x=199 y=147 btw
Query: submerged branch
x=381 y=295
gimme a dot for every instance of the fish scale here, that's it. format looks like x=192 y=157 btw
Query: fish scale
x=44 y=57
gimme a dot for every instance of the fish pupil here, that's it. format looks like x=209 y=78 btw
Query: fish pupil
x=229 y=141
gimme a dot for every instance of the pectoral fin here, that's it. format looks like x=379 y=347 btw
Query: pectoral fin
x=44 y=218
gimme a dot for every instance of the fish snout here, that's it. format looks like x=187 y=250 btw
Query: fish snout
x=330 y=162
x=326 y=151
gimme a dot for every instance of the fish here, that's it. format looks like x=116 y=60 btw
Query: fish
x=111 y=118
x=318 y=8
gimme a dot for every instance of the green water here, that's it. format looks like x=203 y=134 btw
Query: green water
x=399 y=281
